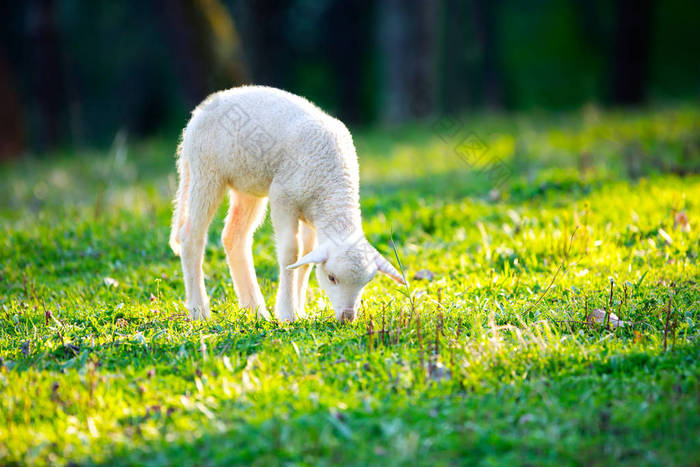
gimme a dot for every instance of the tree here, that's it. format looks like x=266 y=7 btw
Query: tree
x=407 y=37
x=630 y=60
x=46 y=62
x=11 y=119
x=208 y=49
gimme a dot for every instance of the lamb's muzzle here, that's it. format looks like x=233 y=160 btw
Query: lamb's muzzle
x=348 y=315
x=258 y=143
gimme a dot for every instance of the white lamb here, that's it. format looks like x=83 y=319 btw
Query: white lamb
x=256 y=143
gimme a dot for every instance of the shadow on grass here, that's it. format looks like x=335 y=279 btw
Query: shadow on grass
x=241 y=336
x=581 y=419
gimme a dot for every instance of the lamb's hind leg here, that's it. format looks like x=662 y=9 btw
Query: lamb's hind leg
x=307 y=236
x=203 y=199
x=244 y=215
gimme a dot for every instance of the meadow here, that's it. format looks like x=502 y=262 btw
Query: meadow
x=518 y=235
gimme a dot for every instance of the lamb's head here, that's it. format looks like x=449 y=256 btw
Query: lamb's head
x=344 y=268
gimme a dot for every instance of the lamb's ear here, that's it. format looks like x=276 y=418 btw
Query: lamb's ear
x=385 y=267
x=319 y=255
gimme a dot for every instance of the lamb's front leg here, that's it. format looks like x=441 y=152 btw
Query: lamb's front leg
x=307 y=236
x=286 y=225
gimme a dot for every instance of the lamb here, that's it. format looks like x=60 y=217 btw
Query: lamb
x=261 y=143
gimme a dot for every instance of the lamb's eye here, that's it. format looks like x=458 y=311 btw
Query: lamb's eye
x=331 y=278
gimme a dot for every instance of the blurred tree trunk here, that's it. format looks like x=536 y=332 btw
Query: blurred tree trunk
x=487 y=35
x=179 y=22
x=11 y=120
x=268 y=49
x=394 y=43
x=224 y=43
x=47 y=70
x=631 y=51
x=456 y=79
x=407 y=38
x=347 y=23
x=423 y=85
x=207 y=44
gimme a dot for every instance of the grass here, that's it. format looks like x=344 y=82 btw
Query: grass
x=491 y=362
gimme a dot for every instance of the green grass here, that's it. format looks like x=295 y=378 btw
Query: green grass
x=489 y=363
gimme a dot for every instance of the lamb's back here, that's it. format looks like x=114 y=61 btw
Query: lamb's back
x=249 y=133
x=260 y=110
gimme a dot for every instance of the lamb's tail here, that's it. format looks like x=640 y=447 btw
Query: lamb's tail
x=180 y=218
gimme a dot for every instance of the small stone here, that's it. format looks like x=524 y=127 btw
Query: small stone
x=527 y=418
x=25 y=348
x=424 y=275
x=438 y=372
x=599 y=316
x=379 y=451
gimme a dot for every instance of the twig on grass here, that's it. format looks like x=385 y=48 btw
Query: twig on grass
x=47 y=315
x=674 y=326
x=556 y=273
x=668 y=316
x=370 y=332
x=437 y=340
x=619 y=311
x=607 y=318
x=383 y=333
x=420 y=340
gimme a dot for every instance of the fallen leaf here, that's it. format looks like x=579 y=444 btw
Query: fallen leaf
x=92 y=428
x=667 y=238
x=438 y=372
x=680 y=220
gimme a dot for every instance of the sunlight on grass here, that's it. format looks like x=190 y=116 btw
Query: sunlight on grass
x=493 y=360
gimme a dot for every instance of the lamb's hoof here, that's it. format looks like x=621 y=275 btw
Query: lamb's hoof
x=197 y=312
x=262 y=313
x=284 y=316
